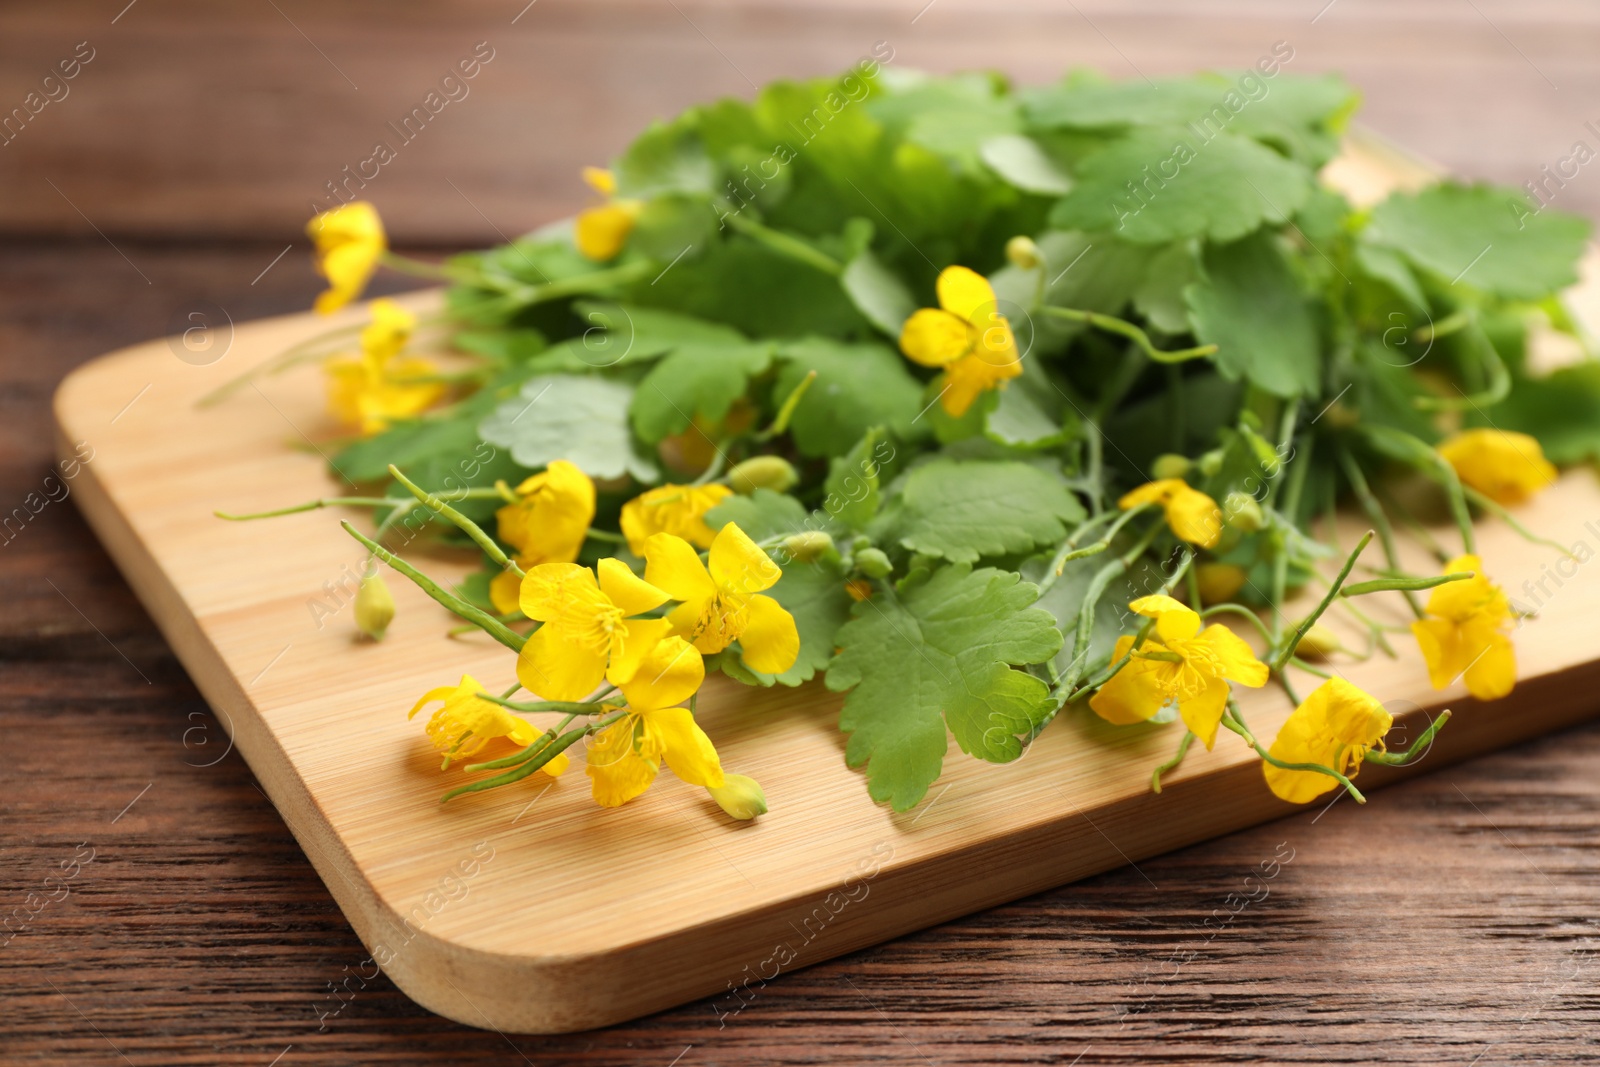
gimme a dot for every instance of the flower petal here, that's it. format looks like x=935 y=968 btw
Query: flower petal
x=741 y=566
x=1134 y=693
x=1493 y=670
x=687 y=749
x=556 y=669
x=1441 y=650
x=1235 y=657
x=1156 y=492
x=1202 y=711
x=935 y=338
x=548 y=589
x=637 y=639
x=1194 y=517
x=601 y=231
x=770 y=642
x=966 y=293
x=628 y=591
x=672 y=565
x=617 y=773
x=668 y=675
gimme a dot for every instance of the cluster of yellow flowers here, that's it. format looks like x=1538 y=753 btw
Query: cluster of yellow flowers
x=605 y=630
x=1464 y=631
x=610 y=631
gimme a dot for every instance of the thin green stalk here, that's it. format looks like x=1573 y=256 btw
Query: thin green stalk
x=1112 y=324
x=1069 y=552
x=1419 y=746
x=482 y=619
x=786 y=244
x=353 y=502
x=525 y=754
x=1385 y=585
x=1494 y=507
x=522 y=770
x=1183 y=750
x=1284 y=651
x=1380 y=521
x=460 y=521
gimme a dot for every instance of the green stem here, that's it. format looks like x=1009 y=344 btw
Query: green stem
x=482 y=619
x=786 y=244
x=1380 y=521
x=522 y=755
x=1112 y=324
x=460 y=521
x=1419 y=746
x=1494 y=507
x=1384 y=585
x=353 y=502
x=1068 y=552
x=1286 y=650
x=1183 y=750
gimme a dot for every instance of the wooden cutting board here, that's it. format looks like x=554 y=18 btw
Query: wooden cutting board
x=529 y=909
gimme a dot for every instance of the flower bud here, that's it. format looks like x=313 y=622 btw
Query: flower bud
x=1169 y=465
x=762 y=472
x=374 y=606
x=1243 y=512
x=1218 y=582
x=1318 y=643
x=807 y=546
x=873 y=563
x=1210 y=463
x=1023 y=253
x=740 y=796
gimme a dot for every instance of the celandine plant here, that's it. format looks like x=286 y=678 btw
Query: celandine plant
x=980 y=403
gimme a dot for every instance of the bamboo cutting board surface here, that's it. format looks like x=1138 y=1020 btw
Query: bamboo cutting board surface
x=529 y=909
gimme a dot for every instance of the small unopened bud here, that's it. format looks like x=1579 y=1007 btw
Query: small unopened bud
x=1319 y=642
x=1218 y=582
x=762 y=472
x=1170 y=465
x=374 y=606
x=873 y=563
x=807 y=546
x=1023 y=253
x=740 y=796
x=1243 y=512
x=1209 y=463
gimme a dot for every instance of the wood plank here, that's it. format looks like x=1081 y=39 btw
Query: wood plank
x=629 y=901
x=206 y=121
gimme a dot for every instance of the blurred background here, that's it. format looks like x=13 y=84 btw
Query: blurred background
x=174 y=171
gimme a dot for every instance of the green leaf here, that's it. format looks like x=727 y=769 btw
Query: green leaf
x=1182 y=186
x=1028 y=413
x=1064 y=600
x=762 y=515
x=938 y=654
x=878 y=293
x=1250 y=306
x=858 y=386
x=1159 y=297
x=580 y=419
x=1021 y=161
x=851 y=489
x=1484 y=237
x=965 y=510
x=695 y=379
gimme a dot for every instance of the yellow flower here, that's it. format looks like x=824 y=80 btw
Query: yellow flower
x=1336 y=726
x=966 y=335
x=548 y=524
x=724 y=604
x=371 y=390
x=679 y=510
x=1179 y=664
x=1506 y=467
x=589 y=632
x=349 y=242
x=1193 y=516
x=602 y=230
x=1466 y=634
x=465 y=723
x=624 y=757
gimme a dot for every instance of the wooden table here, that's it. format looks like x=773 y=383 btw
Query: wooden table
x=1452 y=920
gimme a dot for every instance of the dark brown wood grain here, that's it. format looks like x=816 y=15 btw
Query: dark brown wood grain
x=1452 y=920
